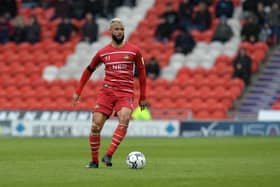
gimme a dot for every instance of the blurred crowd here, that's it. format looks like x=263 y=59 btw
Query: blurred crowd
x=260 y=19
x=14 y=27
x=193 y=15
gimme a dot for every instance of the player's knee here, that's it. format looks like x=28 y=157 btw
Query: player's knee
x=95 y=128
x=124 y=119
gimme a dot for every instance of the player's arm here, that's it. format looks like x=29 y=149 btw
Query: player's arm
x=140 y=65
x=85 y=77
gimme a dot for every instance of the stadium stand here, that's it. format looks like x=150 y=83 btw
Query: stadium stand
x=265 y=92
x=197 y=85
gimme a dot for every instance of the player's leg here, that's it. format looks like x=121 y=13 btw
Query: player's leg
x=98 y=121
x=124 y=115
x=102 y=110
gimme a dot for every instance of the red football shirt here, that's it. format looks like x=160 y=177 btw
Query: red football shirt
x=119 y=68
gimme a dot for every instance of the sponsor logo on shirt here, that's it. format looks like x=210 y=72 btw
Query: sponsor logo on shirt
x=119 y=67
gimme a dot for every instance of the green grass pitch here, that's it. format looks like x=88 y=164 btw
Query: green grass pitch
x=207 y=162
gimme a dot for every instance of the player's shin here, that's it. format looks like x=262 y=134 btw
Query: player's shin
x=94 y=141
x=118 y=136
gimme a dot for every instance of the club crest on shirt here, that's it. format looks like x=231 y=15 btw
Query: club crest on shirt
x=126 y=57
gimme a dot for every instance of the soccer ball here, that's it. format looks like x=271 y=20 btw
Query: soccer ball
x=135 y=160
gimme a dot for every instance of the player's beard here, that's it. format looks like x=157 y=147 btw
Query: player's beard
x=118 y=41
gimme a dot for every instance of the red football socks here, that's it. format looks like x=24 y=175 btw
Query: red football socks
x=118 y=136
x=94 y=142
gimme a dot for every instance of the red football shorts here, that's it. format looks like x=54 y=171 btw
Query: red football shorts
x=108 y=101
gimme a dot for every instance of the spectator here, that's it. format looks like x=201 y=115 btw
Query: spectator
x=261 y=14
x=163 y=31
x=130 y=3
x=8 y=8
x=266 y=34
x=242 y=66
x=202 y=20
x=171 y=17
x=184 y=42
x=94 y=7
x=65 y=30
x=152 y=68
x=6 y=30
x=274 y=20
x=90 y=29
x=78 y=9
x=20 y=30
x=207 y=2
x=250 y=6
x=109 y=7
x=250 y=30
x=30 y=3
x=33 y=30
x=185 y=14
x=224 y=8
x=62 y=9
x=223 y=31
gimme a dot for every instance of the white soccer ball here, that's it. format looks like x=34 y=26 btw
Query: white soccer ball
x=135 y=160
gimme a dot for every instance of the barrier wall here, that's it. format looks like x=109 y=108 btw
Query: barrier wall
x=77 y=124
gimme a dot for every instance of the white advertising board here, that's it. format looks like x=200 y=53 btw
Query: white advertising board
x=42 y=128
x=269 y=115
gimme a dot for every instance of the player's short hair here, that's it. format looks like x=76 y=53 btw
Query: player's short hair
x=116 y=20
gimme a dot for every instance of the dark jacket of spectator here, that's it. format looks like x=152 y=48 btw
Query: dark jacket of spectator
x=109 y=7
x=163 y=31
x=224 y=8
x=184 y=42
x=152 y=68
x=65 y=29
x=78 y=9
x=8 y=8
x=202 y=19
x=250 y=6
x=62 y=9
x=261 y=14
x=266 y=34
x=20 y=30
x=6 y=30
x=90 y=29
x=223 y=31
x=33 y=30
x=30 y=3
x=185 y=14
x=274 y=21
x=94 y=7
x=250 y=30
x=274 y=15
x=242 y=66
x=170 y=16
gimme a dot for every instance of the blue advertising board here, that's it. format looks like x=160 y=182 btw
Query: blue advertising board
x=213 y=128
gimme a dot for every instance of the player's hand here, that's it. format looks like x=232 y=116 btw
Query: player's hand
x=143 y=104
x=75 y=99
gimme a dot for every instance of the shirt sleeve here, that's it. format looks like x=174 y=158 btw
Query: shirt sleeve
x=96 y=60
x=140 y=65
